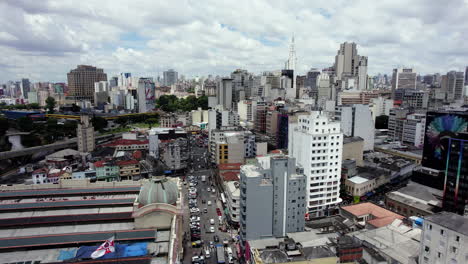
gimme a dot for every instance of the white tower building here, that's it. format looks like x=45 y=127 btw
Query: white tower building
x=291 y=63
x=317 y=144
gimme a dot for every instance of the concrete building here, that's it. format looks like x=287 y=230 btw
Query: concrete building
x=417 y=99
x=81 y=82
x=406 y=127
x=246 y=110
x=199 y=116
x=272 y=198
x=218 y=119
x=348 y=97
x=25 y=87
x=224 y=93
x=403 y=78
x=380 y=106
x=146 y=95
x=444 y=239
x=233 y=200
x=349 y=64
x=290 y=68
x=315 y=142
x=454 y=86
x=170 y=77
x=85 y=135
x=356 y=121
x=369 y=215
x=353 y=149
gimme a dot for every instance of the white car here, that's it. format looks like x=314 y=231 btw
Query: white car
x=195 y=210
x=212 y=222
x=212 y=230
x=208 y=189
x=213 y=190
x=209 y=202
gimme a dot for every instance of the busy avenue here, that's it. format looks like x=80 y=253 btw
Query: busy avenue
x=208 y=238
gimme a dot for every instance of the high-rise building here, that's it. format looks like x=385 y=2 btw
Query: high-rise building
x=224 y=93
x=316 y=142
x=25 y=87
x=403 y=78
x=85 y=134
x=312 y=82
x=454 y=86
x=81 y=82
x=170 y=77
x=455 y=198
x=272 y=198
x=291 y=65
x=444 y=239
x=348 y=64
x=240 y=85
x=146 y=95
x=357 y=121
x=417 y=99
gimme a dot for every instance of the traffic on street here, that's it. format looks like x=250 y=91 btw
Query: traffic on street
x=208 y=238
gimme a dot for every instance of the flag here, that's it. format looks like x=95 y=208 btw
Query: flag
x=105 y=248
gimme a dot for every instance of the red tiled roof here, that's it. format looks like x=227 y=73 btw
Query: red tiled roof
x=55 y=175
x=100 y=163
x=41 y=170
x=382 y=216
x=127 y=162
x=230 y=176
x=126 y=142
x=276 y=151
x=137 y=154
x=230 y=166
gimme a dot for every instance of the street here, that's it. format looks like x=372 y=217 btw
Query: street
x=200 y=156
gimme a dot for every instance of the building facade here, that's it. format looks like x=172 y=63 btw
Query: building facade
x=272 y=198
x=85 y=135
x=316 y=142
x=81 y=82
x=357 y=121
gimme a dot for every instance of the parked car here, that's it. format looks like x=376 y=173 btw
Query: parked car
x=212 y=221
x=212 y=229
x=216 y=238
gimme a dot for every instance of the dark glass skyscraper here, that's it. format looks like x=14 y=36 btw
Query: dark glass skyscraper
x=456 y=175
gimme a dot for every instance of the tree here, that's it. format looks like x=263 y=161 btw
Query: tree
x=381 y=122
x=4 y=125
x=202 y=102
x=50 y=104
x=122 y=121
x=152 y=121
x=69 y=128
x=34 y=106
x=75 y=108
x=99 y=123
x=25 y=124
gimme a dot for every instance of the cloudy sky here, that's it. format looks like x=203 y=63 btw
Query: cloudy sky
x=43 y=40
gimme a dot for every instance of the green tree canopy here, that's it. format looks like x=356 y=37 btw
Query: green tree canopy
x=50 y=104
x=381 y=122
x=99 y=123
x=4 y=125
x=170 y=103
x=25 y=124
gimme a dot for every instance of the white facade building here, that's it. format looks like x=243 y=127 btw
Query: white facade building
x=317 y=144
x=233 y=197
x=444 y=239
x=380 y=106
x=356 y=121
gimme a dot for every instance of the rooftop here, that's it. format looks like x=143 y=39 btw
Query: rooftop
x=126 y=142
x=229 y=166
x=347 y=140
x=451 y=221
x=382 y=217
x=357 y=179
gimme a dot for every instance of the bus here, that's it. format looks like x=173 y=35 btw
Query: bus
x=220 y=253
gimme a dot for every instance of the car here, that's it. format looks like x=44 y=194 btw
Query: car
x=192 y=200
x=207 y=253
x=195 y=210
x=218 y=211
x=216 y=238
x=211 y=244
x=213 y=191
x=209 y=202
x=208 y=189
x=205 y=210
x=212 y=221
x=212 y=229
x=195 y=218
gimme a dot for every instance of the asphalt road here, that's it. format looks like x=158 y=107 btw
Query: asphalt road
x=200 y=164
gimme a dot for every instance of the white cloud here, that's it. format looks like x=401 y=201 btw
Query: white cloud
x=45 y=40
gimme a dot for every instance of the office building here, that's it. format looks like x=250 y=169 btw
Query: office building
x=348 y=64
x=272 y=198
x=85 y=135
x=316 y=142
x=247 y=110
x=146 y=95
x=81 y=82
x=170 y=77
x=405 y=97
x=403 y=78
x=25 y=87
x=444 y=239
x=380 y=106
x=224 y=93
x=357 y=121
x=454 y=86
x=456 y=175
x=312 y=82
x=290 y=71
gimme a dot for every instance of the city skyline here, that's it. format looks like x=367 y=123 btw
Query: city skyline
x=43 y=41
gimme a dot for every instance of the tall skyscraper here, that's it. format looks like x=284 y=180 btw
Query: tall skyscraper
x=85 y=134
x=81 y=82
x=403 y=78
x=454 y=86
x=455 y=197
x=146 y=95
x=348 y=64
x=291 y=65
x=272 y=198
x=170 y=77
x=25 y=87
x=224 y=93
x=311 y=82
x=316 y=142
